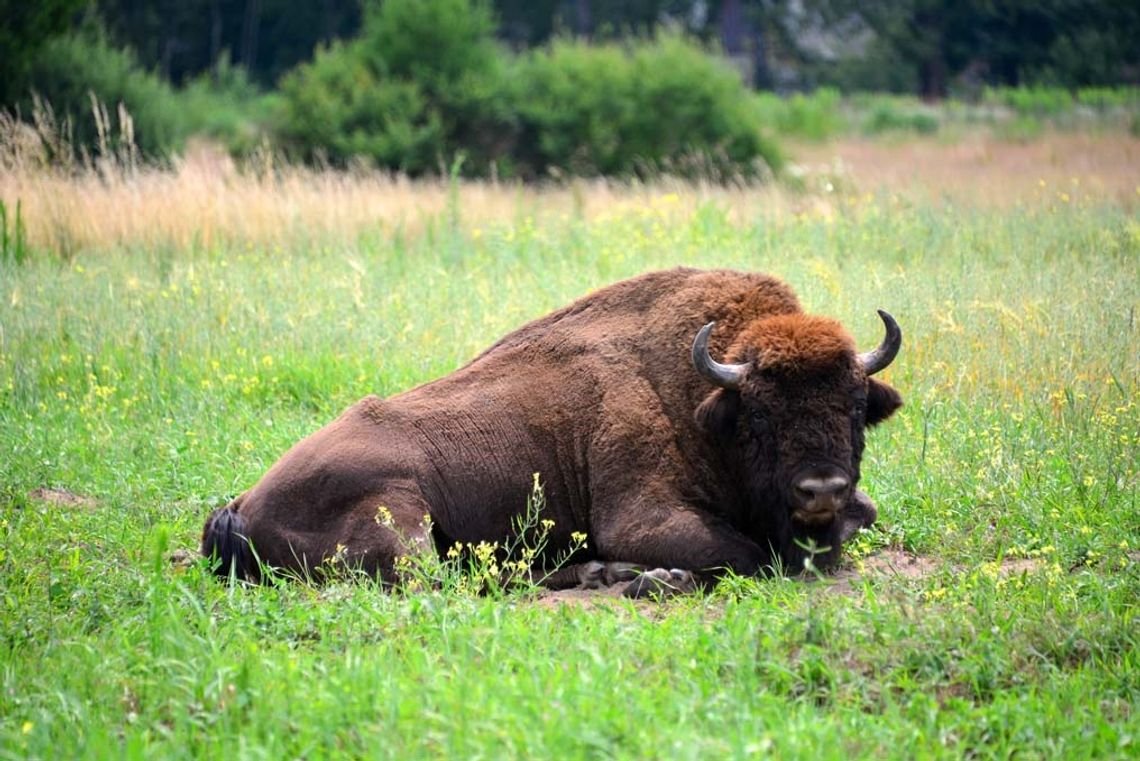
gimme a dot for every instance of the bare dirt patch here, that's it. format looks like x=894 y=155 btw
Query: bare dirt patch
x=60 y=497
x=183 y=558
x=888 y=564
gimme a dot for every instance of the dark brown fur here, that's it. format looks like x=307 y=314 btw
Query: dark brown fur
x=634 y=447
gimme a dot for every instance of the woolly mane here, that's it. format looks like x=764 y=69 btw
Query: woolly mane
x=794 y=344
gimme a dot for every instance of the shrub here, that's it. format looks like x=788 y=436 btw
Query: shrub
x=689 y=103
x=658 y=105
x=432 y=42
x=815 y=116
x=887 y=114
x=576 y=106
x=426 y=83
x=226 y=106
x=336 y=106
x=423 y=81
x=69 y=70
x=1037 y=101
x=1108 y=98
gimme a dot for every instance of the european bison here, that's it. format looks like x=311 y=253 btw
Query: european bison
x=665 y=457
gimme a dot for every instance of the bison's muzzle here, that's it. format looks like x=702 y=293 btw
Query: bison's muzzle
x=820 y=495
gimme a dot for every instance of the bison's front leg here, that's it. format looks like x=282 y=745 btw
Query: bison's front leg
x=684 y=547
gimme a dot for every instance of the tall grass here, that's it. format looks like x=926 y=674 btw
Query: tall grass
x=160 y=376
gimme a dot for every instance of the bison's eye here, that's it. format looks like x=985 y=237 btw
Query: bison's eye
x=758 y=423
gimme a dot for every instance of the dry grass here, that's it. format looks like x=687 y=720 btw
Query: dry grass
x=205 y=200
x=988 y=171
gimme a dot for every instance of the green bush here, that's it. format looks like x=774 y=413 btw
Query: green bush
x=691 y=104
x=336 y=107
x=225 y=106
x=894 y=114
x=1036 y=101
x=576 y=108
x=68 y=70
x=1109 y=98
x=658 y=105
x=815 y=116
x=423 y=82
x=432 y=42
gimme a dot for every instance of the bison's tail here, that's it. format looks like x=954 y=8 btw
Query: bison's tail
x=224 y=539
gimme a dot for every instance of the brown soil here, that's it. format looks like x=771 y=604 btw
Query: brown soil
x=60 y=497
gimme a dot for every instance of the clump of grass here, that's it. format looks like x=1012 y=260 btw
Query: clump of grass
x=14 y=238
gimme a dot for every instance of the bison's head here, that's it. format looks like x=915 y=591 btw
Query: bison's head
x=793 y=406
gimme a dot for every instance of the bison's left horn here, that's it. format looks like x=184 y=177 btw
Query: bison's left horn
x=725 y=376
x=878 y=359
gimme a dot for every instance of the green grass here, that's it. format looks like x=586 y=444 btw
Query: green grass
x=162 y=383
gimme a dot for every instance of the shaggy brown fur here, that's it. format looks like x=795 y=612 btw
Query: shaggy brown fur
x=634 y=447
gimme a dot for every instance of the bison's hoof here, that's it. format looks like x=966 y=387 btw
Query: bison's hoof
x=660 y=583
x=591 y=575
x=618 y=572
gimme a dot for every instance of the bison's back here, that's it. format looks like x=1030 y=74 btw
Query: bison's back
x=648 y=314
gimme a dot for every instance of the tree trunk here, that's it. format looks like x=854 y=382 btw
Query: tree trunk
x=215 y=35
x=249 y=30
x=733 y=27
x=932 y=78
x=582 y=20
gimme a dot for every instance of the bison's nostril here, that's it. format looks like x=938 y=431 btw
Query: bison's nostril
x=812 y=489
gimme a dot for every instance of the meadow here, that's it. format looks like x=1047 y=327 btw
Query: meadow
x=165 y=334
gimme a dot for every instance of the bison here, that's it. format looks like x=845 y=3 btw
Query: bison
x=662 y=455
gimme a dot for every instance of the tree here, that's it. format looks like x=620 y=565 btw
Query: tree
x=1010 y=42
x=184 y=38
x=26 y=28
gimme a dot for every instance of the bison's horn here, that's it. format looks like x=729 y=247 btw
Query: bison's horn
x=878 y=359
x=725 y=376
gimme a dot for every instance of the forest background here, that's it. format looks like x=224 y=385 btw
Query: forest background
x=535 y=89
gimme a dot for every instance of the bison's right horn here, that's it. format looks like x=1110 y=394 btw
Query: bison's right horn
x=725 y=376
x=877 y=359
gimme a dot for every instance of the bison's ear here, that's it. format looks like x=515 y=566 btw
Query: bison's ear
x=882 y=401
x=716 y=415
